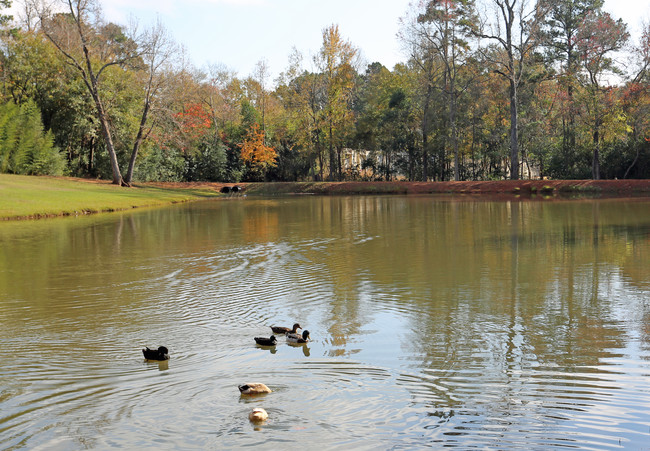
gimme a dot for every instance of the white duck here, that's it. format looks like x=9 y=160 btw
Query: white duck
x=258 y=415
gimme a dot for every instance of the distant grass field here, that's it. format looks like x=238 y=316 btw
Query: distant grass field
x=34 y=197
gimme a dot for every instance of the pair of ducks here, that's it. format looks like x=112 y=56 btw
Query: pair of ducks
x=257 y=415
x=292 y=335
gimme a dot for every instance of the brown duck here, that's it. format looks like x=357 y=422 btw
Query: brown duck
x=284 y=330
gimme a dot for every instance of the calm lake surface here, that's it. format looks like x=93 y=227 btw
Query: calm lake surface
x=435 y=322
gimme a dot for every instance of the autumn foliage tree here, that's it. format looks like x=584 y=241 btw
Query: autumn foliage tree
x=449 y=40
x=337 y=59
x=98 y=52
x=193 y=122
x=92 y=47
x=158 y=50
x=599 y=35
x=560 y=30
x=515 y=32
x=257 y=156
x=636 y=101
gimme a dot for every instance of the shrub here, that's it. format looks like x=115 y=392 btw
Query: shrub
x=25 y=148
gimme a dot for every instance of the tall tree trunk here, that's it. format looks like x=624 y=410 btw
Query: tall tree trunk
x=108 y=139
x=425 y=156
x=91 y=156
x=572 y=119
x=138 y=141
x=331 y=151
x=595 y=167
x=473 y=159
x=92 y=83
x=514 y=146
x=454 y=132
x=339 y=166
x=637 y=146
x=425 y=139
x=321 y=161
x=569 y=135
x=410 y=153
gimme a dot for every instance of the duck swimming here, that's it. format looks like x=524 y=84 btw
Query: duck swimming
x=258 y=415
x=284 y=330
x=297 y=338
x=254 y=388
x=162 y=353
x=263 y=341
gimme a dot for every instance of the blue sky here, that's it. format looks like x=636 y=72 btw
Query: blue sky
x=239 y=33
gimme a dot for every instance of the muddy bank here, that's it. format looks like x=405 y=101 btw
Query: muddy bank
x=568 y=188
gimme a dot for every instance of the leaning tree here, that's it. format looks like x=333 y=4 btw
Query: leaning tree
x=92 y=47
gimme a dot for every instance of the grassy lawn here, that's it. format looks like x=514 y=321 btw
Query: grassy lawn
x=32 y=197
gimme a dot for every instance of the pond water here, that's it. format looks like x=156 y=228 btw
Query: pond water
x=434 y=322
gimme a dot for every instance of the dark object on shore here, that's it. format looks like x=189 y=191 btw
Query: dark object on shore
x=271 y=341
x=162 y=353
x=284 y=330
x=230 y=189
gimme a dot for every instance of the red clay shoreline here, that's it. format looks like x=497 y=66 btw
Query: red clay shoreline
x=562 y=188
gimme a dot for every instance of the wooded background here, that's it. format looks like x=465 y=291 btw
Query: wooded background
x=488 y=91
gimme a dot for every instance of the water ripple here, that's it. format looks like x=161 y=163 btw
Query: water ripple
x=494 y=353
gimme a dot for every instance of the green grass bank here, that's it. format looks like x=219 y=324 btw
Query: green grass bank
x=25 y=197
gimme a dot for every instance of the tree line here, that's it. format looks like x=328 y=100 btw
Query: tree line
x=491 y=90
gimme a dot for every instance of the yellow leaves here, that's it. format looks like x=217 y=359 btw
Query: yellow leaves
x=255 y=152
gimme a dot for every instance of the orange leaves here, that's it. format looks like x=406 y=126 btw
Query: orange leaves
x=190 y=126
x=254 y=152
x=193 y=120
x=598 y=35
